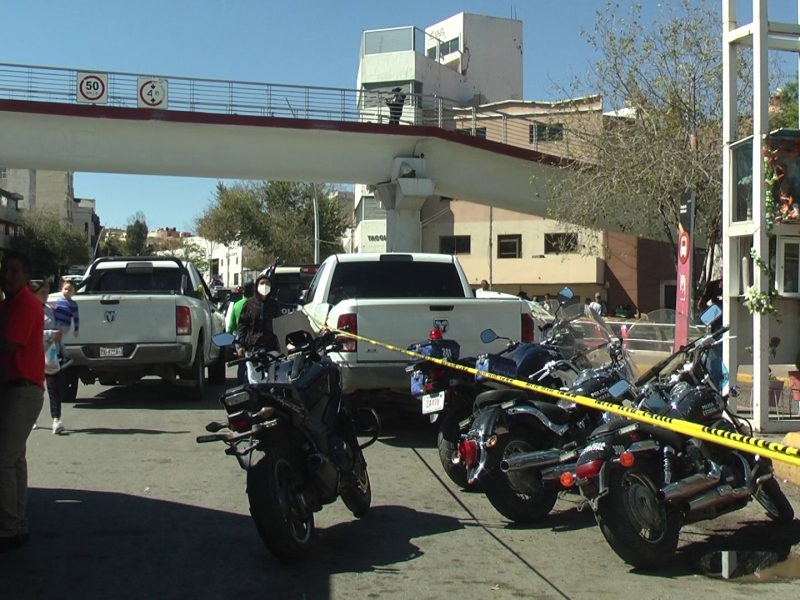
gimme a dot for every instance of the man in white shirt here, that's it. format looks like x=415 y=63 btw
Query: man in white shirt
x=597 y=305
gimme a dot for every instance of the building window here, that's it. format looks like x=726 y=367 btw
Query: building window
x=3 y=173
x=235 y=279
x=560 y=243
x=544 y=132
x=86 y=227
x=432 y=52
x=789 y=267
x=509 y=246
x=446 y=48
x=454 y=244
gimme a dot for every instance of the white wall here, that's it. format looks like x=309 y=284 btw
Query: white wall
x=371 y=236
x=492 y=58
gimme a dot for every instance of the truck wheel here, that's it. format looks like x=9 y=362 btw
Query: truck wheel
x=197 y=374
x=217 y=371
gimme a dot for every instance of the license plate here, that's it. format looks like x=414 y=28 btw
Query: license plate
x=432 y=403
x=111 y=352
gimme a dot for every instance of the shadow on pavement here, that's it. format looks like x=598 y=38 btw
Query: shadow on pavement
x=87 y=544
x=111 y=431
x=560 y=521
x=152 y=394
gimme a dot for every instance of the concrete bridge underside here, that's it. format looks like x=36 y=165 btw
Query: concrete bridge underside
x=407 y=164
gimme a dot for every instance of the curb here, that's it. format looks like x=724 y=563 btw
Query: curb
x=785 y=471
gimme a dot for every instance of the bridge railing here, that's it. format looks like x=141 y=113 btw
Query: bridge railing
x=514 y=126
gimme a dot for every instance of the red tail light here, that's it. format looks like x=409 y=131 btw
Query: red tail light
x=239 y=421
x=589 y=469
x=348 y=323
x=308 y=270
x=468 y=450
x=434 y=376
x=528 y=327
x=436 y=334
x=183 y=320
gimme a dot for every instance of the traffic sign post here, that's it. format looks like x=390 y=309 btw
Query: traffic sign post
x=152 y=93
x=91 y=88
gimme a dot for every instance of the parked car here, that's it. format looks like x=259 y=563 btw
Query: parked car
x=398 y=299
x=144 y=316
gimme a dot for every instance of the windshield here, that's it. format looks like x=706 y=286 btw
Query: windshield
x=395 y=279
x=581 y=331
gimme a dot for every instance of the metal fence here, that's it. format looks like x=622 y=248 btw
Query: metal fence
x=49 y=84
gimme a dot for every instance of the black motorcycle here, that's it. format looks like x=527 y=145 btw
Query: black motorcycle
x=540 y=431
x=645 y=482
x=292 y=433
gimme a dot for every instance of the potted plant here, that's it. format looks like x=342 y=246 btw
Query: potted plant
x=794 y=377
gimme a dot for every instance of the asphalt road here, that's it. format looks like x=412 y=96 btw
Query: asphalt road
x=128 y=506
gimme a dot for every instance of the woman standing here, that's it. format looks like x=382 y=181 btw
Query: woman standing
x=51 y=334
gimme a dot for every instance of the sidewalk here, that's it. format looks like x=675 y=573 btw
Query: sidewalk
x=745 y=373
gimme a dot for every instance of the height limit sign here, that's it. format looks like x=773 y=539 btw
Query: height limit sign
x=152 y=93
x=92 y=88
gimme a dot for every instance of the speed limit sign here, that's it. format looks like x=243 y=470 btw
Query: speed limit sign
x=92 y=88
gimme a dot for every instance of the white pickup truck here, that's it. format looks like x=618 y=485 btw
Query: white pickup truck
x=145 y=316
x=398 y=299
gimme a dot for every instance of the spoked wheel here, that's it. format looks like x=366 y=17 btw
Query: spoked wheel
x=775 y=502
x=357 y=496
x=447 y=442
x=284 y=522
x=502 y=489
x=635 y=524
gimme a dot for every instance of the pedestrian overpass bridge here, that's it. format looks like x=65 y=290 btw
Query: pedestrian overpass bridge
x=226 y=129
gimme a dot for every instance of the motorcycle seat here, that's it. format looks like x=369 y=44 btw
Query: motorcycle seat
x=493 y=397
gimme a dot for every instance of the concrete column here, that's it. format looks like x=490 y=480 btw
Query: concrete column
x=760 y=241
x=403 y=199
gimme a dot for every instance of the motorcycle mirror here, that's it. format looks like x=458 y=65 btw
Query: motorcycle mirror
x=734 y=391
x=223 y=339
x=711 y=314
x=619 y=389
x=488 y=336
x=214 y=427
x=565 y=295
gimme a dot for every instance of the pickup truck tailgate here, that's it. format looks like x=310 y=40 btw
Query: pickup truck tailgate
x=129 y=319
x=411 y=321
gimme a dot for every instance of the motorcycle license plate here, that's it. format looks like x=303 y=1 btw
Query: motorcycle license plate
x=432 y=403
x=110 y=351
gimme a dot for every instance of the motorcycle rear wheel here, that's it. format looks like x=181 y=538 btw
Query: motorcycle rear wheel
x=447 y=442
x=636 y=526
x=358 y=496
x=275 y=507
x=513 y=505
x=775 y=502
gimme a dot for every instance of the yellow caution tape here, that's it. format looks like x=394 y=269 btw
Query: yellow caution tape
x=736 y=441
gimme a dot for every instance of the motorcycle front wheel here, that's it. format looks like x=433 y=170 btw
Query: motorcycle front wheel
x=635 y=524
x=357 y=497
x=508 y=501
x=775 y=502
x=285 y=525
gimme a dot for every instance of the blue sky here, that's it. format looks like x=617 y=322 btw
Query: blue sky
x=311 y=42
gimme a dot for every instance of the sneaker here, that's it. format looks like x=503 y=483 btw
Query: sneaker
x=58 y=426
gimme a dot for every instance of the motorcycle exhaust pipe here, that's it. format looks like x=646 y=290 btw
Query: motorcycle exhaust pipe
x=691 y=485
x=723 y=494
x=325 y=473
x=554 y=473
x=534 y=460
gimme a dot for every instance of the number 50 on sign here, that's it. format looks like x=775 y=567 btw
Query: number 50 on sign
x=92 y=88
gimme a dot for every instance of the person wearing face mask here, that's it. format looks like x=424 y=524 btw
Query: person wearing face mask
x=255 y=321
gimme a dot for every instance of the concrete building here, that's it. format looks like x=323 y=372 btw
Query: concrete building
x=9 y=218
x=474 y=65
x=51 y=191
x=85 y=218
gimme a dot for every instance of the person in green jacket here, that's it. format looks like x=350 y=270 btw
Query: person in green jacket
x=233 y=323
x=233 y=318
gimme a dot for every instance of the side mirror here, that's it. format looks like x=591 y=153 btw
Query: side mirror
x=619 y=389
x=734 y=391
x=488 y=336
x=223 y=339
x=298 y=339
x=565 y=295
x=301 y=298
x=711 y=314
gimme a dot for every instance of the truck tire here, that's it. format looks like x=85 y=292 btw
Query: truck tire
x=217 y=370
x=197 y=375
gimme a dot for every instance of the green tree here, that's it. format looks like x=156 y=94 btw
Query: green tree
x=635 y=165
x=274 y=218
x=786 y=114
x=51 y=246
x=112 y=247
x=136 y=235
x=185 y=249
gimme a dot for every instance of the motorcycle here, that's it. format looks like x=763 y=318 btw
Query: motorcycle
x=291 y=415
x=645 y=482
x=517 y=432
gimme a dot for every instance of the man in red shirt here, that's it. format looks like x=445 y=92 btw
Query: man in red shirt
x=22 y=394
